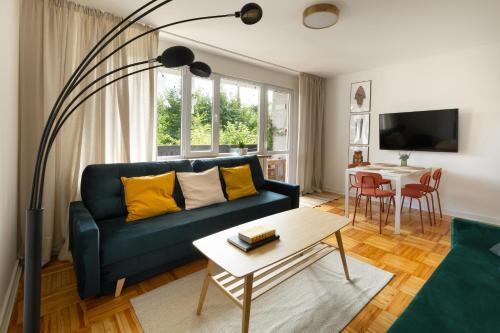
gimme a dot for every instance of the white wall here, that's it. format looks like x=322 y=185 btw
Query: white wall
x=245 y=70
x=9 y=39
x=468 y=80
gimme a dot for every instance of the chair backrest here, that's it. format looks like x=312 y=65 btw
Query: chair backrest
x=437 y=177
x=368 y=180
x=352 y=178
x=425 y=178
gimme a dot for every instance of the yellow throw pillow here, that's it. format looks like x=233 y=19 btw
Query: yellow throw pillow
x=149 y=195
x=239 y=182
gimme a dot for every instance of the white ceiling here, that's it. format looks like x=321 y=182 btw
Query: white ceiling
x=370 y=33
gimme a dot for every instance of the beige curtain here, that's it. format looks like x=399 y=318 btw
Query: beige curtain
x=310 y=153
x=117 y=125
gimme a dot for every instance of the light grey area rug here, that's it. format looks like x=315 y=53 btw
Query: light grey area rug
x=317 y=299
x=316 y=199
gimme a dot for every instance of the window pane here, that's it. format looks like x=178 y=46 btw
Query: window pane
x=168 y=108
x=277 y=167
x=201 y=114
x=277 y=120
x=239 y=115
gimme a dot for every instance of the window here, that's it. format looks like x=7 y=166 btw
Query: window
x=202 y=99
x=278 y=106
x=169 y=108
x=239 y=116
x=201 y=117
x=277 y=134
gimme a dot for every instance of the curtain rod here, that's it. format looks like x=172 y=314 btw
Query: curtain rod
x=267 y=63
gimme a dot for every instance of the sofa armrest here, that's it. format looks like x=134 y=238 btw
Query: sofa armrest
x=84 y=245
x=290 y=190
x=473 y=233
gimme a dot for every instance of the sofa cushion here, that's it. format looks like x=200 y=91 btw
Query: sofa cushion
x=462 y=295
x=102 y=190
x=239 y=182
x=148 y=196
x=121 y=240
x=228 y=162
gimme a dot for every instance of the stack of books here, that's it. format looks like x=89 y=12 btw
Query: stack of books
x=253 y=237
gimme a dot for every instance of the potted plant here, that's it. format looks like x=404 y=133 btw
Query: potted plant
x=404 y=158
x=242 y=150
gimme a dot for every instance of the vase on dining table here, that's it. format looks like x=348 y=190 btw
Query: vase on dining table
x=403 y=157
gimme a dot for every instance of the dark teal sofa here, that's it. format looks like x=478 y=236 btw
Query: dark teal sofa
x=105 y=248
x=463 y=294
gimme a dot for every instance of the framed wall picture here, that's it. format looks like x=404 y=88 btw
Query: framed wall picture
x=358 y=154
x=359 y=129
x=361 y=96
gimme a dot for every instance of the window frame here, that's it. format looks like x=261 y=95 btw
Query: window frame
x=185 y=147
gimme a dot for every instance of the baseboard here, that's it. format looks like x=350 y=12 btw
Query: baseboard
x=472 y=216
x=449 y=212
x=10 y=299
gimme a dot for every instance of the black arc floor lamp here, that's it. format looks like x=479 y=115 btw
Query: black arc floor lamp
x=176 y=56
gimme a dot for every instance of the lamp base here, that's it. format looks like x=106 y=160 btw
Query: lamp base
x=32 y=270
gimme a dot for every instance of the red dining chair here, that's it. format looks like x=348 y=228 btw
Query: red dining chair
x=370 y=187
x=352 y=178
x=415 y=193
x=436 y=176
x=354 y=184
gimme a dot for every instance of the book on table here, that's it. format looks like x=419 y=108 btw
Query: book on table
x=244 y=246
x=256 y=234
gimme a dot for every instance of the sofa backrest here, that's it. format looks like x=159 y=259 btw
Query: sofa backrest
x=227 y=162
x=102 y=190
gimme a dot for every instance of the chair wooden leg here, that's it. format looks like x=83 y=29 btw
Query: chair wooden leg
x=119 y=287
x=439 y=204
x=409 y=208
x=433 y=209
x=388 y=210
x=366 y=207
x=428 y=209
x=380 y=217
x=356 y=204
x=383 y=199
x=402 y=204
x=371 y=213
x=421 y=219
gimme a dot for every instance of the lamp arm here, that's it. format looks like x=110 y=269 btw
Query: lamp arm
x=63 y=95
x=62 y=121
x=58 y=124
x=44 y=151
x=87 y=87
x=143 y=34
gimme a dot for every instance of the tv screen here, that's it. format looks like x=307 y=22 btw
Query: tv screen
x=420 y=131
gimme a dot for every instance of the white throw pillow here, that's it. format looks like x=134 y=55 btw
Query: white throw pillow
x=201 y=188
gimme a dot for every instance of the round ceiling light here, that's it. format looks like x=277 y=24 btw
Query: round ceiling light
x=320 y=16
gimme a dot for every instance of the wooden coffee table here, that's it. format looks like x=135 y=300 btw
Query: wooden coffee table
x=248 y=275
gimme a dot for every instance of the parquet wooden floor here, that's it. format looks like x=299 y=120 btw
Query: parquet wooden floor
x=411 y=256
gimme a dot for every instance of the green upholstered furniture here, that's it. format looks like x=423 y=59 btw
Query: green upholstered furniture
x=463 y=294
x=105 y=248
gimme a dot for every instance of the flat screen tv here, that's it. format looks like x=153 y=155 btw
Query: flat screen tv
x=435 y=130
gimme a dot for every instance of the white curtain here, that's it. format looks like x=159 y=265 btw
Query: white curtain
x=117 y=125
x=312 y=92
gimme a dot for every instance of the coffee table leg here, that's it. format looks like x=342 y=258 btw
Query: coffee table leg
x=204 y=287
x=342 y=253
x=247 y=301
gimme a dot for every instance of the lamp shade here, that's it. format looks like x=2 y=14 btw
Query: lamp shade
x=176 y=56
x=200 y=69
x=250 y=13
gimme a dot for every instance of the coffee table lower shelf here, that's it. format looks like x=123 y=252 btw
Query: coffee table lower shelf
x=243 y=290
